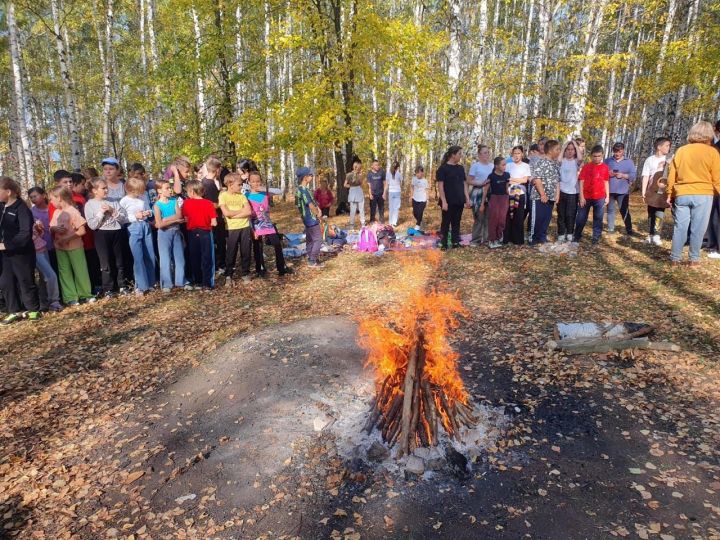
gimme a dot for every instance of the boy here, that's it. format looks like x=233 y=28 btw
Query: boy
x=376 y=185
x=546 y=177
x=200 y=217
x=622 y=176
x=656 y=208
x=236 y=210
x=212 y=186
x=594 y=180
x=310 y=214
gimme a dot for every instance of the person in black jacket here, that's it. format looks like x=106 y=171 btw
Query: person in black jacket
x=18 y=254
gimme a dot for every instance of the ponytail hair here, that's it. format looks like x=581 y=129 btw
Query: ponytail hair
x=11 y=185
x=450 y=152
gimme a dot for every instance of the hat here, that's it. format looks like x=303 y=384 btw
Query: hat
x=110 y=161
x=302 y=172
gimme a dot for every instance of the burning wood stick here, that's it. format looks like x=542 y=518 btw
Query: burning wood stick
x=410 y=374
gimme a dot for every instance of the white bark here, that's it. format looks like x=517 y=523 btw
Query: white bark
x=239 y=59
x=692 y=43
x=480 y=96
x=24 y=154
x=199 y=76
x=268 y=90
x=143 y=52
x=106 y=60
x=522 y=99
x=454 y=54
x=151 y=33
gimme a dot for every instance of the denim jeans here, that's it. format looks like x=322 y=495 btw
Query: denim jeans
x=598 y=208
x=622 y=200
x=172 y=253
x=141 y=246
x=42 y=261
x=394 y=205
x=691 y=211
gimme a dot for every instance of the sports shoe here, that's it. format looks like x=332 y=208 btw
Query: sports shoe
x=166 y=290
x=287 y=271
x=649 y=240
x=138 y=292
x=90 y=300
x=123 y=291
x=33 y=316
x=73 y=303
x=11 y=318
x=656 y=240
x=494 y=245
x=713 y=255
x=228 y=281
x=246 y=279
x=315 y=264
x=55 y=306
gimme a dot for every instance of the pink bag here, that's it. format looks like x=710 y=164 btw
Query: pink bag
x=368 y=241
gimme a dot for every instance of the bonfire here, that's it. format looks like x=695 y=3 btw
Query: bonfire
x=419 y=391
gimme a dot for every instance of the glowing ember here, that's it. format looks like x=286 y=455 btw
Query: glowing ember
x=419 y=389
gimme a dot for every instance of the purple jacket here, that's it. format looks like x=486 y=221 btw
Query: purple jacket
x=624 y=166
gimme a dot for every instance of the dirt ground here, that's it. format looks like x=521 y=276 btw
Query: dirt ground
x=115 y=415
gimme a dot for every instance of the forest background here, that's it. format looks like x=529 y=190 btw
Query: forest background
x=318 y=81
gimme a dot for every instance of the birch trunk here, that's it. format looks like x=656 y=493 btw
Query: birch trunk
x=151 y=34
x=480 y=96
x=69 y=91
x=25 y=161
x=268 y=91
x=199 y=77
x=610 y=103
x=106 y=60
x=522 y=100
x=669 y=123
x=239 y=60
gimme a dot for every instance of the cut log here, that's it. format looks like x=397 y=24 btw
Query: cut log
x=410 y=374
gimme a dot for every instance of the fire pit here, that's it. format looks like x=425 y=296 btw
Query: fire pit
x=420 y=397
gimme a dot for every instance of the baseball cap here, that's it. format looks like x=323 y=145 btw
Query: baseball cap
x=110 y=161
x=302 y=172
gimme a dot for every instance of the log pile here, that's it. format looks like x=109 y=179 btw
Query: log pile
x=409 y=410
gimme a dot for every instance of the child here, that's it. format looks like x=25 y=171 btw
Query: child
x=42 y=261
x=311 y=215
x=67 y=227
x=17 y=254
x=263 y=228
x=200 y=217
x=568 y=196
x=106 y=218
x=656 y=205
x=519 y=172
x=393 y=192
x=356 y=195
x=79 y=189
x=41 y=212
x=324 y=198
x=546 y=177
x=419 y=195
x=136 y=207
x=236 y=211
x=497 y=185
x=212 y=186
x=168 y=217
x=594 y=193
x=179 y=173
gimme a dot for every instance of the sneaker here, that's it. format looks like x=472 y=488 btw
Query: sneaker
x=228 y=281
x=315 y=264
x=11 y=318
x=246 y=279
x=713 y=255
x=166 y=290
x=56 y=307
x=595 y=241
x=649 y=240
x=494 y=245
x=90 y=300
x=207 y=289
x=73 y=303
x=656 y=240
x=188 y=287
x=33 y=316
x=123 y=291
x=110 y=295
x=138 y=292
x=287 y=272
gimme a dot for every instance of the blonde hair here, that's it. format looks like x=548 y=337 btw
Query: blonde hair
x=62 y=193
x=95 y=183
x=182 y=160
x=135 y=185
x=233 y=178
x=213 y=164
x=196 y=188
x=702 y=132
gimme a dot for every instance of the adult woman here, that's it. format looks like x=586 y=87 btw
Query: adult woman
x=693 y=179
x=519 y=176
x=477 y=178
x=453 y=193
x=393 y=185
x=568 y=199
x=18 y=254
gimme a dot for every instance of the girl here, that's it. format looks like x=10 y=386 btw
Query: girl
x=453 y=191
x=42 y=261
x=137 y=209
x=40 y=211
x=263 y=228
x=393 y=187
x=179 y=172
x=236 y=211
x=18 y=254
x=168 y=217
x=519 y=172
x=68 y=226
x=324 y=198
x=568 y=200
x=200 y=217
x=106 y=219
x=419 y=195
x=497 y=185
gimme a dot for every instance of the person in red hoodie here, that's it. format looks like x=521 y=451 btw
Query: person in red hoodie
x=594 y=179
x=200 y=218
x=324 y=197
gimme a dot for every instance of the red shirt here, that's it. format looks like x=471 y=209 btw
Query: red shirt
x=198 y=214
x=593 y=178
x=87 y=238
x=323 y=198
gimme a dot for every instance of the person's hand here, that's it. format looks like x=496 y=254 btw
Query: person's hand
x=543 y=198
x=607 y=201
x=139 y=214
x=371 y=196
x=583 y=202
x=444 y=206
x=482 y=208
x=105 y=207
x=148 y=213
x=669 y=200
x=467 y=204
x=643 y=197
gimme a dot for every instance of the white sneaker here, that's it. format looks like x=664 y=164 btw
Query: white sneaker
x=656 y=240
x=713 y=255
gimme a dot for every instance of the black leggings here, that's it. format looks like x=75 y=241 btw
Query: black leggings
x=451 y=221
x=514 y=231
x=241 y=238
x=273 y=240
x=110 y=249
x=567 y=212
x=418 y=211
x=18 y=272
